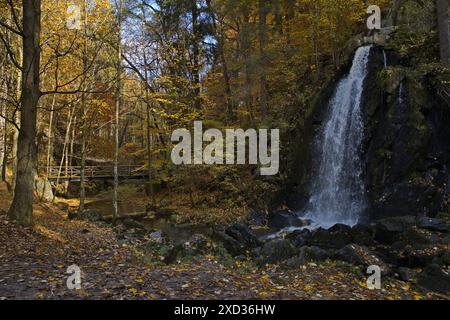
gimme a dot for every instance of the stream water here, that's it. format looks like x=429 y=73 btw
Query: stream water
x=159 y=226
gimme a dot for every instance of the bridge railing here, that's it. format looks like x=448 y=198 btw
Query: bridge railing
x=74 y=172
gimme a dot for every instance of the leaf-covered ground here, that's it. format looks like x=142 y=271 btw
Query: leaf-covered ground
x=33 y=264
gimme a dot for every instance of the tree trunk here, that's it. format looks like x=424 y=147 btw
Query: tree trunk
x=83 y=116
x=22 y=206
x=225 y=73
x=5 y=148
x=262 y=57
x=148 y=117
x=3 y=141
x=50 y=138
x=3 y=130
x=196 y=54
x=245 y=39
x=117 y=111
x=444 y=41
x=16 y=119
x=64 y=151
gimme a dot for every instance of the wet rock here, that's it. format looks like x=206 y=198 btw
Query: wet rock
x=90 y=215
x=132 y=224
x=233 y=247
x=198 y=244
x=276 y=251
x=336 y=237
x=242 y=234
x=258 y=218
x=299 y=238
x=406 y=274
x=174 y=253
x=359 y=255
x=442 y=259
x=446 y=240
x=418 y=258
x=306 y=255
x=433 y=224
x=386 y=229
x=363 y=235
x=433 y=278
x=284 y=219
x=416 y=238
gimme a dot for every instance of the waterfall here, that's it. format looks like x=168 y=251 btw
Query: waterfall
x=385 y=59
x=400 y=94
x=338 y=189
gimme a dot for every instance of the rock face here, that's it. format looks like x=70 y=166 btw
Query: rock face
x=433 y=224
x=238 y=239
x=306 y=255
x=90 y=215
x=300 y=238
x=282 y=219
x=336 y=237
x=435 y=279
x=388 y=228
x=406 y=150
x=275 y=251
x=362 y=256
x=196 y=245
x=407 y=134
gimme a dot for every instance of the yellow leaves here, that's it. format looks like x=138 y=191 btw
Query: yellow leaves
x=362 y=284
x=153 y=296
x=40 y=296
x=133 y=291
x=406 y=287
x=163 y=101
x=50 y=234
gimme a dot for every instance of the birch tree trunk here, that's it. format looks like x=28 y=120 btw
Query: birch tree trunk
x=119 y=7
x=16 y=119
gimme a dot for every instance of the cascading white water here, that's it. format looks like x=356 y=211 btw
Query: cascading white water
x=385 y=59
x=400 y=94
x=338 y=189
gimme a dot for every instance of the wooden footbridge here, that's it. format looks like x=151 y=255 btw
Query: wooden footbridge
x=73 y=173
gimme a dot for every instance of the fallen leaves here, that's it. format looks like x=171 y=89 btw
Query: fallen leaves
x=33 y=265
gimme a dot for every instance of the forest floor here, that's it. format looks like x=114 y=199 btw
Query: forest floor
x=34 y=261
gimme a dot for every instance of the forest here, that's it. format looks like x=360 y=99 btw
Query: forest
x=120 y=177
